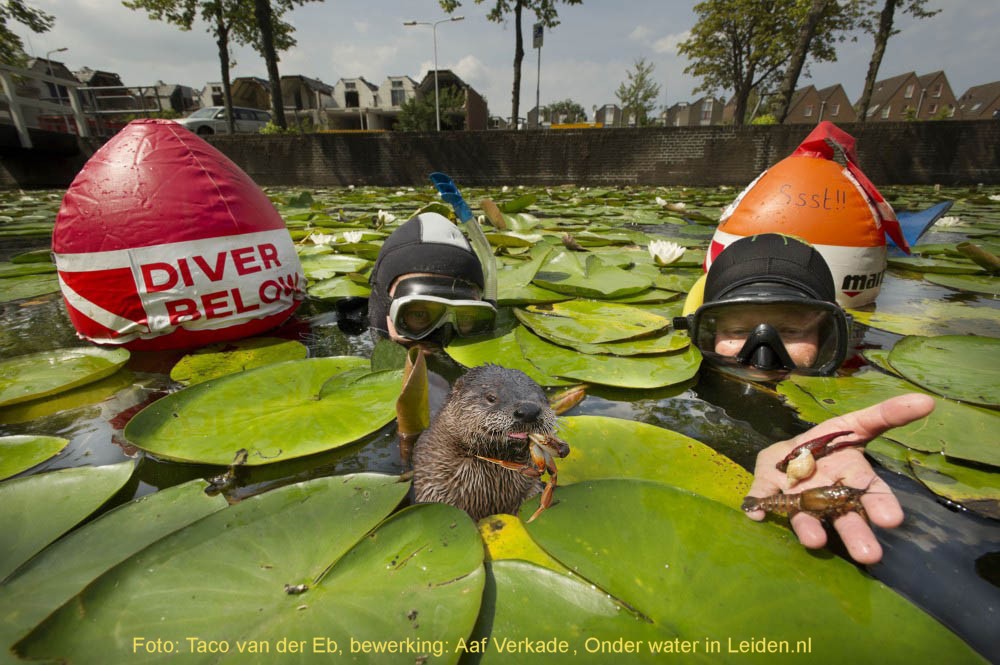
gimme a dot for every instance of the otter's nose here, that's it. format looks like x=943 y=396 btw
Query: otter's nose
x=526 y=412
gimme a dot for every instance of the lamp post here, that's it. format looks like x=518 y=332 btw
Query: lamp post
x=434 y=25
x=55 y=87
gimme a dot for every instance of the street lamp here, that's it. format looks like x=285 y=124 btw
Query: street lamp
x=434 y=25
x=55 y=88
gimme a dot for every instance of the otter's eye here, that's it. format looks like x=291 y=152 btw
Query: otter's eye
x=491 y=398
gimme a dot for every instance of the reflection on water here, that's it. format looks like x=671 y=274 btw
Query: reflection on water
x=944 y=559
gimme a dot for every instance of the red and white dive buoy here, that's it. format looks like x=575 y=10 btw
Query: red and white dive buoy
x=162 y=242
x=835 y=208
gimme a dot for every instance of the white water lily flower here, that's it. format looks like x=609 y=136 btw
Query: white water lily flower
x=948 y=221
x=322 y=238
x=384 y=217
x=505 y=189
x=665 y=252
x=350 y=187
x=660 y=201
x=995 y=197
x=353 y=236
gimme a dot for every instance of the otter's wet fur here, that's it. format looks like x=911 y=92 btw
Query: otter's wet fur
x=484 y=407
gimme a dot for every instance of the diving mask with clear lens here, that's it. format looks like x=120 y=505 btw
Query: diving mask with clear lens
x=800 y=335
x=422 y=305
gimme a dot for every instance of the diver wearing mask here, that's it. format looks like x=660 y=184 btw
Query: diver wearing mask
x=427 y=285
x=770 y=307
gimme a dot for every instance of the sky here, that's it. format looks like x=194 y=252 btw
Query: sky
x=584 y=58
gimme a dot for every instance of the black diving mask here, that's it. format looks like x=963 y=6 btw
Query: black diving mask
x=796 y=335
x=424 y=304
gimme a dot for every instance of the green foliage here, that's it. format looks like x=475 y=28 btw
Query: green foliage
x=418 y=113
x=765 y=119
x=272 y=129
x=11 y=46
x=566 y=111
x=638 y=98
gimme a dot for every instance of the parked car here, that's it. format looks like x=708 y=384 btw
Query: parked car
x=212 y=120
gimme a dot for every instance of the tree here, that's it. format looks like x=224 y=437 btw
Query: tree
x=824 y=20
x=638 y=98
x=11 y=46
x=882 y=33
x=545 y=11
x=741 y=44
x=566 y=111
x=418 y=114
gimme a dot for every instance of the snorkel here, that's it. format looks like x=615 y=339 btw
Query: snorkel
x=480 y=245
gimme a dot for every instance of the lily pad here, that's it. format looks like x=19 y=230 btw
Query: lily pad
x=640 y=372
x=217 y=360
x=63 y=497
x=960 y=367
x=647 y=545
x=603 y=447
x=934 y=317
x=975 y=489
x=973 y=283
x=338 y=288
x=939 y=265
x=506 y=538
x=277 y=412
x=589 y=321
x=20 y=453
x=289 y=565
x=504 y=350
x=77 y=398
x=17 y=288
x=38 y=375
x=564 y=273
x=514 y=285
x=63 y=569
x=325 y=266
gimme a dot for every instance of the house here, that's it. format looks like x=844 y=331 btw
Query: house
x=699 y=113
x=305 y=100
x=809 y=106
x=211 y=95
x=251 y=92
x=474 y=113
x=980 y=102
x=911 y=97
x=351 y=105
x=396 y=91
x=51 y=92
x=609 y=115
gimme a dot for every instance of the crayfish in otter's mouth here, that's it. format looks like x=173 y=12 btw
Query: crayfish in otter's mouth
x=542 y=448
x=828 y=502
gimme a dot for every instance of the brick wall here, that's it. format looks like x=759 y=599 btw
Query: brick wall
x=947 y=153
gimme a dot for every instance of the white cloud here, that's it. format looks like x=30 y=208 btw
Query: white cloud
x=639 y=34
x=669 y=43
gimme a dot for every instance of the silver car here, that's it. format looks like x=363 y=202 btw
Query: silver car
x=212 y=120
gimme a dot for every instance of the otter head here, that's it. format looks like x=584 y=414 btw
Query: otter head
x=499 y=408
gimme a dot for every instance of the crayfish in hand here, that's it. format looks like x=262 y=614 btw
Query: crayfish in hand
x=542 y=448
x=828 y=502
x=800 y=463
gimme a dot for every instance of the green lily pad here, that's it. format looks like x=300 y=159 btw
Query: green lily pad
x=63 y=569
x=648 y=545
x=338 y=288
x=518 y=204
x=17 y=288
x=504 y=350
x=602 y=447
x=217 y=360
x=300 y=565
x=589 y=321
x=20 y=453
x=276 y=412
x=34 y=256
x=325 y=266
x=40 y=508
x=514 y=285
x=564 y=273
x=934 y=317
x=640 y=372
x=11 y=270
x=77 y=398
x=959 y=367
x=959 y=430
x=941 y=265
x=975 y=489
x=38 y=375
x=669 y=343
x=974 y=283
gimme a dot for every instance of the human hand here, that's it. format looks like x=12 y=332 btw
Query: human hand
x=849 y=466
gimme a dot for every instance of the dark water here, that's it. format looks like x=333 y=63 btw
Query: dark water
x=943 y=558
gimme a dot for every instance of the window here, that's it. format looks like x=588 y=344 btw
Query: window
x=835 y=109
x=397 y=84
x=350 y=85
x=398 y=97
x=886 y=111
x=808 y=111
x=932 y=108
x=936 y=90
x=351 y=100
x=873 y=110
x=706 y=112
x=909 y=92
